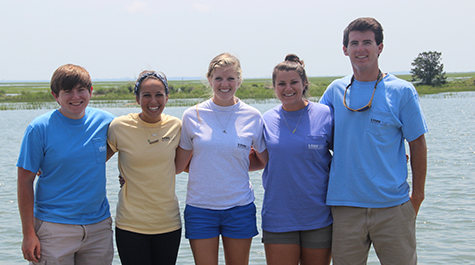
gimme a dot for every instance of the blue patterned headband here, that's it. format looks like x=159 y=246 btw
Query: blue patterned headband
x=158 y=75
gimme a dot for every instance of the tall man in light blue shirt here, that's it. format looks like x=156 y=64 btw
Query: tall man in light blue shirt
x=374 y=114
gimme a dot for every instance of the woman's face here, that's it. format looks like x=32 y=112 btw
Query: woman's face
x=152 y=99
x=289 y=89
x=225 y=82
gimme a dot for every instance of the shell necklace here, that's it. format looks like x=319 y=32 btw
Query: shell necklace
x=153 y=134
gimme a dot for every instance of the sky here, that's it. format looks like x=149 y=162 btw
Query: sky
x=117 y=39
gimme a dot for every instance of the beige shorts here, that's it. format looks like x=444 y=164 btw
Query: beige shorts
x=75 y=244
x=391 y=231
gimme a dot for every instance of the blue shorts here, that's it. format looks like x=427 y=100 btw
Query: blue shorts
x=238 y=222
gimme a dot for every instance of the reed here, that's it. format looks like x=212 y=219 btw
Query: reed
x=196 y=89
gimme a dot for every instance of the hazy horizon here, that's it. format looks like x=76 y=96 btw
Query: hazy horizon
x=117 y=39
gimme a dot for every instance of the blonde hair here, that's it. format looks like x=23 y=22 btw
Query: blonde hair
x=224 y=60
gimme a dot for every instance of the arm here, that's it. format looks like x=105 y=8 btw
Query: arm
x=418 y=151
x=257 y=160
x=182 y=159
x=110 y=153
x=31 y=247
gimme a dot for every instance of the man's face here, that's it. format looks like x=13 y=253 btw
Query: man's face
x=363 y=50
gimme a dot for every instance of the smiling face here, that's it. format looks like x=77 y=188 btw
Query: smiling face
x=363 y=53
x=289 y=88
x=73 y=102
x=152 y=99
x=225 y=82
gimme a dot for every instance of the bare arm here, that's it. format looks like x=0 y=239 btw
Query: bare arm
x=31 y=247
x=110 y=153
x=257 y=160
x=418 y=151
x=182 y=159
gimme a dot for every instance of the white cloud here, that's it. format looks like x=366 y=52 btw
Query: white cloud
x=201 y=8
x=136 y=6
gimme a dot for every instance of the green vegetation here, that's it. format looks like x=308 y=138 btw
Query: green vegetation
x=428 y=69
x=36 y=92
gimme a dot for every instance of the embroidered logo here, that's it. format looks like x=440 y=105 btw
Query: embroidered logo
x=375 y=121
x=314 y=146
x=242 y=146
x=379 y=122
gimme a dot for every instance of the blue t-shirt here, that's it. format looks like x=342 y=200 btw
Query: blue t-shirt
x=296 y=176
x=71 y=155
x=369 y=167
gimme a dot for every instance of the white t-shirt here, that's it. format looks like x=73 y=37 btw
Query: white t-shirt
x=221 y=139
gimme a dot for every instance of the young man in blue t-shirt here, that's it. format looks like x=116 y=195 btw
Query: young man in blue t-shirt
x=374 y=114
x=66 y=218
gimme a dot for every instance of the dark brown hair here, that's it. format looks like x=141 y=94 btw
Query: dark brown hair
x=68 y=76
x=292 y=63
x=364 y=24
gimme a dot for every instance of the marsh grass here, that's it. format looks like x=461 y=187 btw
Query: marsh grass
x=193 y=91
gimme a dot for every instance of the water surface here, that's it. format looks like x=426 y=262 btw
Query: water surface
x=446 y=221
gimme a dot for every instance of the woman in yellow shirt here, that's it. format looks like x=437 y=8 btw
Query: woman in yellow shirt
x=148 y=226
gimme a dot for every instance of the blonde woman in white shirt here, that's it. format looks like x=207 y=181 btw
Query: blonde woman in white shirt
x=217 y=136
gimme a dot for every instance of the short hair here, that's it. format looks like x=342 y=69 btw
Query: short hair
x=364 y=24
x=224 y=60
x=292 y=63
x=68 y=76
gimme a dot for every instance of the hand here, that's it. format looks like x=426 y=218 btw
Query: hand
x=121 y=181
x=252 y=152
x=31 y=248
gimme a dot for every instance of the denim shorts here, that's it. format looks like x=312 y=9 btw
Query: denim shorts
x=238 y=222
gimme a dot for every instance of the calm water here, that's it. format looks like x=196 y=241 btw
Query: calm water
x=446 y=221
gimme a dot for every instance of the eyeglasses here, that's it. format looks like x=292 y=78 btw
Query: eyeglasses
x=367 y=106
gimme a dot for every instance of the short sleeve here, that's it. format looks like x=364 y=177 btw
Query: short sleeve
x=185 y=137
x=412 y=119
x=32 y=150
x=259 y=143
x=111 y=136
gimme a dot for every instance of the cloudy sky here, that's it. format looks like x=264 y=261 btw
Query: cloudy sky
x=117 y=39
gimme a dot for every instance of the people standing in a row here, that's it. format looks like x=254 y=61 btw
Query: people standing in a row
x=374 y=114
x=148 y=224
x=217 y=135
x=66 y=218
x=296 y=222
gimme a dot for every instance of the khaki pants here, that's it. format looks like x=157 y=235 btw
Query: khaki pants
x=390 y=230
x=75 y=244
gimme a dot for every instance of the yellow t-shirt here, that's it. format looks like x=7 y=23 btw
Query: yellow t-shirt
x=147 y=201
